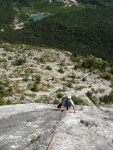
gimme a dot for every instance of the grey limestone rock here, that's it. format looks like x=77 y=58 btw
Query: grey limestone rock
x=42 y=127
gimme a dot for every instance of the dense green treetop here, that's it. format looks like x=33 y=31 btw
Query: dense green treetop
x=7 y=12
x=86 y=31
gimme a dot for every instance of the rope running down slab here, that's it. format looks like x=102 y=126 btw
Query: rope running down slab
x=56 y=130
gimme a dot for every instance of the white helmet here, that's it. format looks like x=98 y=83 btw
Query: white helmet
x=69 y=97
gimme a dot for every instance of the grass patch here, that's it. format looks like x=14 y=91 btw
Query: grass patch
x=2 y=101
x=56 y=101
x=43 y=99
x=107 y=99
x=34 y=139
x=77 y=100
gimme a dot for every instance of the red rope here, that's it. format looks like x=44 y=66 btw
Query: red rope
x=55 y=131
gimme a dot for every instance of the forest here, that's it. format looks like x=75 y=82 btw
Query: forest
x=85 y=32
x=7 y=13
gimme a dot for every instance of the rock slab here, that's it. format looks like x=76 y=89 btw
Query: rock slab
x=27 y=126
x=87 y=129
x=32 y=126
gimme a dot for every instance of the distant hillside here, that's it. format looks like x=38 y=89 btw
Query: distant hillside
x=88 y=31
x=34 y=74
x=21 y=9
x=83 y=29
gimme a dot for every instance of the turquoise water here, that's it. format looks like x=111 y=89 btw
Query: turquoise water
x=36 y=17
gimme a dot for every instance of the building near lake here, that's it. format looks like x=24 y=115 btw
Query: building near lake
x=70 y=2
x=67 y=2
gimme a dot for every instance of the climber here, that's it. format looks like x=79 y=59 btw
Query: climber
x=67 y=102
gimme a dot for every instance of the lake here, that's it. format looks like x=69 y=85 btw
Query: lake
x=37 y=17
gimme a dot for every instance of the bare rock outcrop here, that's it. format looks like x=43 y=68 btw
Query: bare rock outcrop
x=27 y=126
x=88 y=129
x=42 y=127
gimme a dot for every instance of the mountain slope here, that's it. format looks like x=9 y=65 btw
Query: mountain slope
x=34 y=74
x=86 y=32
